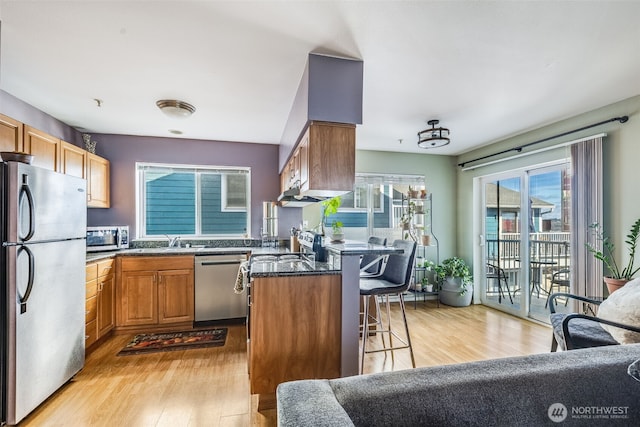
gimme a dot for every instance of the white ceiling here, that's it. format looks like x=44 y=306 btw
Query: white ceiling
x=487 y=70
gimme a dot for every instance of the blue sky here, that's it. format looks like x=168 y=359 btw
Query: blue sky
x=546 y=186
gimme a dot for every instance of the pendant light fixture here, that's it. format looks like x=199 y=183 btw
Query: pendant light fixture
x=175 y=109
x=434 y=137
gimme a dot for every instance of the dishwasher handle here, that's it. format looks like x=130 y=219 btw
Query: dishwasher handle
x=235 y=262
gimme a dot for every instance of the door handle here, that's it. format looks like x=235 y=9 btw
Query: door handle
x=23 y=298
x=25 y=191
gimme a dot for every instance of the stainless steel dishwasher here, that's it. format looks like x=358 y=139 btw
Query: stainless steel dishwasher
x=215 y=277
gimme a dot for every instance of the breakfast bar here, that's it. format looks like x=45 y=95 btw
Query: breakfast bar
x=304 y=315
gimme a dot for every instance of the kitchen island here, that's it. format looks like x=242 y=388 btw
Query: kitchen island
x=304 y=317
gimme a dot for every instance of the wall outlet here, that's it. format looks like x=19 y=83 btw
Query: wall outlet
x=305 y=224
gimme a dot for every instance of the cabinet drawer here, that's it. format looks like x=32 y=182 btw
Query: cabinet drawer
x=91 y=333
x=91 y=309
x=92 y=271
x=92 y=288
x=105 y=267
x=156 y=263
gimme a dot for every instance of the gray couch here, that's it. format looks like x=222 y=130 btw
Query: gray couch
x=588 y=387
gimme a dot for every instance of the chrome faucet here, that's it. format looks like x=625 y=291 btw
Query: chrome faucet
x=174 y=242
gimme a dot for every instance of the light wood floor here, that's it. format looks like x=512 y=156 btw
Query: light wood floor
x=210 y=387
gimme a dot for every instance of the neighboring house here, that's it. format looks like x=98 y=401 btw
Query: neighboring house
x=506 y=218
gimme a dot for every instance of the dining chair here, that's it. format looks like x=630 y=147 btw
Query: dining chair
x=498 y=274
x=559 y=279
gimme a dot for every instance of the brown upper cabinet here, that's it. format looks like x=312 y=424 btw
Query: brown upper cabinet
x=10 y=134
x=44 y=148
x=57 y=155
x=323 y=162
x=97 y=182
x=74 y=160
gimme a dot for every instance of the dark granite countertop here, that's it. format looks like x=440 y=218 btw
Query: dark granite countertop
x=164 y=251
x=291 y=268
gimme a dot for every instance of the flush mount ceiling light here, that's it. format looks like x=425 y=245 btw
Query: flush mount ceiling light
x=434 y=137
x=176 y=109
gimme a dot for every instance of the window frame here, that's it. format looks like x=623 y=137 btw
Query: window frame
x=198 y=170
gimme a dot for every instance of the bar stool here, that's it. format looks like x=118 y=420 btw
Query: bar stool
x=394 y=280
x=373 y=265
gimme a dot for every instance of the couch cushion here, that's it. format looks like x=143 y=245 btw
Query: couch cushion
x=505 y=392
x=584 y=333
x=309 y=403
x=623 y=306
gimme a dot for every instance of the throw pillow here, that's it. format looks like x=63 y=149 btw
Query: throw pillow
x=623 y=306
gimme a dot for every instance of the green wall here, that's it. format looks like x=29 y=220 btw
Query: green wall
x=440 y=177
x=621 y=158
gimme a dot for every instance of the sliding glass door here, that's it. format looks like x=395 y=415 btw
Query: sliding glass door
x=525 y=240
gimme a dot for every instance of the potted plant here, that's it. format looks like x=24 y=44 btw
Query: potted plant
x=426 y=286
x=456 y=287
x=405 y=222
x=616 y=277
x=330 y=208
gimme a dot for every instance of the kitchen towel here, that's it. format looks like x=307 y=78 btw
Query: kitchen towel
x=243 y=276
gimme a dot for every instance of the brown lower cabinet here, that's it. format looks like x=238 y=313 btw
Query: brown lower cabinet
x=154 y=291
x=100 y=309
x=295 y=330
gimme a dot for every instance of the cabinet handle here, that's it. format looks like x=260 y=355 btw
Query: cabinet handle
x=87 y=312
x=86 y=337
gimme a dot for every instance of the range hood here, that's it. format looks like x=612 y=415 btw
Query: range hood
x=293 y=199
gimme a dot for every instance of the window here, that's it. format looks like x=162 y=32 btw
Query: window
x=375 y=205
x=358 y=199
x=192 y=201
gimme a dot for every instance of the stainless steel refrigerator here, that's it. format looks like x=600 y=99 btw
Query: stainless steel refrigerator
x=42 y=309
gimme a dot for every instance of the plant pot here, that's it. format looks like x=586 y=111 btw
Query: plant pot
x=337 y=237
x=614 y=284
x=450 y=292
x=426 y=240
x=428 y=288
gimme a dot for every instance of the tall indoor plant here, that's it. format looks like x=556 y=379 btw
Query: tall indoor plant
x=603 y=250
x=456 y=286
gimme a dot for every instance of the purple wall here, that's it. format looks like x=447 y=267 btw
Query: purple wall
x=123 y=151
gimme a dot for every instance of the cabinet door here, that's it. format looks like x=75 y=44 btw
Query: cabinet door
x=10 y=134
x=97 y=182
x=302 y=309
x=175 y=296
x=304 y=162
x=138 y=299
x=44 y=148
x=331 y=154
x=74 y=160
x=106 y=308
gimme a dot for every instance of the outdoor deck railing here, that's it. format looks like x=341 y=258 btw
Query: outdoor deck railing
x=550 y=249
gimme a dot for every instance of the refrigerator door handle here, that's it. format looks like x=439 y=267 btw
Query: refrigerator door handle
x=26 y=191
x=23 y=298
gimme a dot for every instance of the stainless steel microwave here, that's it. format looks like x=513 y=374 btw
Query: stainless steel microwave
x=107 y=238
